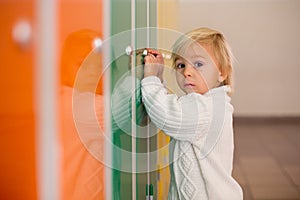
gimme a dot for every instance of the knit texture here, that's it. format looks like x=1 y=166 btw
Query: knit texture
x=201 y=149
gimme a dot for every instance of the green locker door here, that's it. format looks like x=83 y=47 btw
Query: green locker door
x=132 y=134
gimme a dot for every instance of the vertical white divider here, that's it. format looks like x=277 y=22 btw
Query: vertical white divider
x=45 y=91
x=148 y=120
x=107 y=99
x=133 y=102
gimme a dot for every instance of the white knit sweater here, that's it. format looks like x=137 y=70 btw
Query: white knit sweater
x=202 y=140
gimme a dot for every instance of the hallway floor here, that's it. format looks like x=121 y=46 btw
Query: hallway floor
x=267 y=158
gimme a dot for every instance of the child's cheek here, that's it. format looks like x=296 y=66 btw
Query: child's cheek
x=211 y=78
x=179 y=79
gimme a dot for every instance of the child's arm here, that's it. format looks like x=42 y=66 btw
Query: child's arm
x=187 y=118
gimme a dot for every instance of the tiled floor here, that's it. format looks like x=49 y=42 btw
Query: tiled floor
x=267 y=158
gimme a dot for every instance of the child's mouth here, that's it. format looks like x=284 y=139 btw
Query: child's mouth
x=189 y=85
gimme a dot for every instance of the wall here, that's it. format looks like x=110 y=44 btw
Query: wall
x=264 y=36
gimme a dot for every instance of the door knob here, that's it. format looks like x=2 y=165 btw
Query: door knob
x=22 y=33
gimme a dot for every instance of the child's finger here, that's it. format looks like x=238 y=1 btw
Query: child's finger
x=152 y=51
x=149 y=58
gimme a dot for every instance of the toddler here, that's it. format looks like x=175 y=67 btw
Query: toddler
x=199 y=122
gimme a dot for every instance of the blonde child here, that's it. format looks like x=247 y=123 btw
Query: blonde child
x=199 y=122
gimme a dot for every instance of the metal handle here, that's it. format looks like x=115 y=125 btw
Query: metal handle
x=128 y=51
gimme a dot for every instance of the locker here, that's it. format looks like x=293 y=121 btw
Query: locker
x=17 y=124
x=62 y=65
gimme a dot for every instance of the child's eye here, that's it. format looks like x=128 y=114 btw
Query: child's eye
x=198 y=64
x=180 y=65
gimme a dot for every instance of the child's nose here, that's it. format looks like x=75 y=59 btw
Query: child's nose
x=188 y=70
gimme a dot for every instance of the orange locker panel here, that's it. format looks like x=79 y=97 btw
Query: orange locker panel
x=80 y=22
x=17 y=147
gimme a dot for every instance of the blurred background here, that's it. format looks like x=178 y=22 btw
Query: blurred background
x=43 y=45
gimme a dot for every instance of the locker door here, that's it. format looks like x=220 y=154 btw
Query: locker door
x=17 y=118
x=130 y=22
x=80 y=31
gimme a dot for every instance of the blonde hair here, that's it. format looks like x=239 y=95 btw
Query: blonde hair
x=220 y=48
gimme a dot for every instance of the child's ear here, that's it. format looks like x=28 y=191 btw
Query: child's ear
x=222 y=77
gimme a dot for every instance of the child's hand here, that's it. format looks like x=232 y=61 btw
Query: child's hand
x=154 y=64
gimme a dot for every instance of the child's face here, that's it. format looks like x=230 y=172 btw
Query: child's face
x=196 y=69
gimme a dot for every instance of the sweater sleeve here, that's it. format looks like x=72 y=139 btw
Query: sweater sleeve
x=186 y=118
